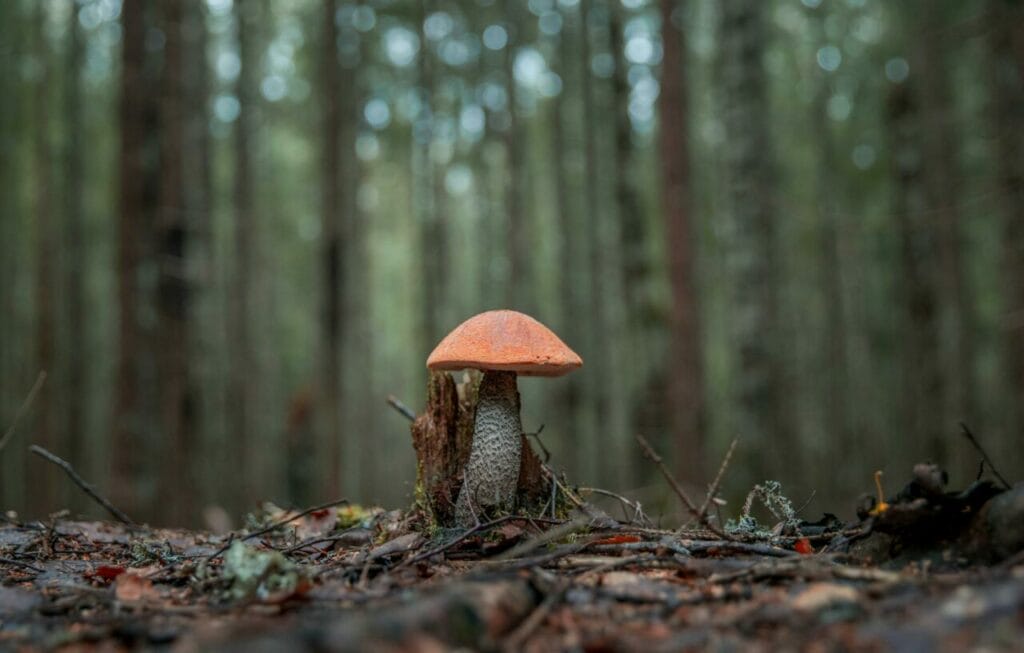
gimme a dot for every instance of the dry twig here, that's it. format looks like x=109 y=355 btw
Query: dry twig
x=984 y=456
x=276 y=525
x=402 y=409
x=25 y=405
x=701 y=517
x=713 y=489
x=80 y=482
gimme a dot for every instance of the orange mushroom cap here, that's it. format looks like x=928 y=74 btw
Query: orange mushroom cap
x=507 y=341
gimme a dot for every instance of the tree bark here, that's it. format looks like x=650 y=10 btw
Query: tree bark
x=130 y=439
x=75 y=244
x=44 y=498
x=240 y=392
x=518 y=295
x=750 y=188
x=428 y=194
x=922 y=373
x=1007 y=51
x=177 y=396
x=685 y=385
x=938 y=148
x=332 y=257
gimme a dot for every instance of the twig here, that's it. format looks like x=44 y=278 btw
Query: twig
x=25 y=405
x=970 y=437
x=713 y=489
x=638 y=510
x=404 y=410
x=701 y=517
x=536 y=436
x=518 y=637
x=529 y=546
x=275 y=526
x=80 y=482
x=23 y=565
x=465 y=534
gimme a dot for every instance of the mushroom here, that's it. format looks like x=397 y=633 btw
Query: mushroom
x=503 y=344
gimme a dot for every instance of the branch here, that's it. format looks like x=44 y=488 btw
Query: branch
x=25 y=405
x=404 y=410
x=276 y=525
x=701 y=517
x=80 y=482
x=984 y=456
x=713 y=490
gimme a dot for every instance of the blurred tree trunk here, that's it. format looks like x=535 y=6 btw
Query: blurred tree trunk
x=685 y=374
x=938 y=148
x=44 y=498
x=519 y=282
x=632 y=227
x=138 y=196
x=750 y=189
x=922 y=373
x=597 y=344
x=827 y=190
x=204 y=348
x=570 y=293
x=428 y=193
x=1007 y=50
x=78 y=358
x=177 y=394
x=332 y=262
x=240 y=391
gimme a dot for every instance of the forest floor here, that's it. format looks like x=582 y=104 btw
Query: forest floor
x=929 y=570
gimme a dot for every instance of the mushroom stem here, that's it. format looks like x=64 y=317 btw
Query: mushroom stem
x=492 y=473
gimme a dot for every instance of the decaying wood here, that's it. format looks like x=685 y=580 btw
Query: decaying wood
x=442 y=438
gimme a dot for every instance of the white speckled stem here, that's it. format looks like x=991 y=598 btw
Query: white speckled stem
x=492 y=473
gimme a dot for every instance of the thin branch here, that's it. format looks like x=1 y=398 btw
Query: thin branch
x=23 y=565
x=402 y=409
x=25 y=405
x=638 y=511
x=80 y=482
x=276 y=525
x=713 y=490
x=466 y=534
x=656 y=459
x=977 y=446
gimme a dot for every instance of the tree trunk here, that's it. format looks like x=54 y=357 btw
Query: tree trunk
x=1007 y=51
x=938 y=148
x=78 y=359
x=44 y=497
x=750 y=189
x=428 y=195
x=332 y=260
x=827 y=189
x=922 y=373
x=519 y=279
x=240 y=394
x=130 y=440
x=595 y=390
x=685 y=374
x=177 y=396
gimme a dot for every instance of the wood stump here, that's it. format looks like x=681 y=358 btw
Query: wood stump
x=442 y=436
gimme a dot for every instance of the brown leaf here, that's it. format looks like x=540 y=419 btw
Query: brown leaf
x=133 y=587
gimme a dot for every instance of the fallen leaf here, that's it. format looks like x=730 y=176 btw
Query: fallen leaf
x=106 y=572
x=803 y=545
x=132 y=587
x=619 y=539
x=818 y=596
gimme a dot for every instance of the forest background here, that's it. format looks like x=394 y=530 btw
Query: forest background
x=228 y=231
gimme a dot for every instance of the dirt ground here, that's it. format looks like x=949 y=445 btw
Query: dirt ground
x=344 y=578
